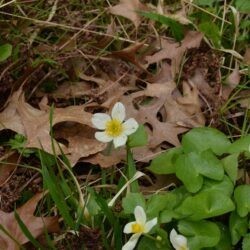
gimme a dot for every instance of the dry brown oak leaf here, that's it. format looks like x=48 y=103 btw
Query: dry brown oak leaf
x=128 y=9
x=35 y=225
x=175 y=50
x=22 y=118
x=177 y=114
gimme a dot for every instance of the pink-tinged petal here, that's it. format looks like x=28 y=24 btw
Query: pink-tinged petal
x=103 y=137
x=99 y=120
x=128 y=228
x=120 y=140
x=130 y=126
x=150 y=224
x=118 y=112
x=140 y=215
x=130 y=245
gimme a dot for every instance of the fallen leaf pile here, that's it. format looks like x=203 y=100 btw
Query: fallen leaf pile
x=166 y=109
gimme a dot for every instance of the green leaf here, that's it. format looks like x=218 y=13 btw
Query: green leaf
x=175 y=27
x=200 y=234
x=243 y=6
x=51 y=182
x=159 y=202
x=246 y=242
x=164 y=163
x=131 y=201
x=26 y=231
x=102 y=203
x=200 y=139
x=225 y=239
x=241 y=145
x=92 y=205
x=191 y=166
x=224 y=186
x=238 y=227
x=167 y=215
x=139 y=138
x=211 y=31
x=188 y=172
x=230 y=164
x=242 y=199
x=209 y=165
x=205 y=204
x=5 y=51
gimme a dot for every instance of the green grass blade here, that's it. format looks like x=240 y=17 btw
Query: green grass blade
x=26 y=232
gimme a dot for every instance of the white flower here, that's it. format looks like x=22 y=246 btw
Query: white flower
x=138 y=227
x=178 y=241
x=114 y=126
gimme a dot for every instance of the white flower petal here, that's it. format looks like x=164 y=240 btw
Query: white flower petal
x=99 y=120
x=178 y=241
x=140 y=215
x=130 y=245
x=130 y=126
x=120 y=140
x=150 y=224
x=118 y=112
x=103 y=137
x=181 y=242
x=128 y=227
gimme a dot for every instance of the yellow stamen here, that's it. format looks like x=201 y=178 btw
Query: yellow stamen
x=114 y=128
x=137 y=228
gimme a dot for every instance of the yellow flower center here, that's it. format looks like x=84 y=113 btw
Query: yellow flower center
x=137 y=228
x=114 y=128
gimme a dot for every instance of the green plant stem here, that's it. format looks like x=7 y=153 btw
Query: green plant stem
x=131 y=170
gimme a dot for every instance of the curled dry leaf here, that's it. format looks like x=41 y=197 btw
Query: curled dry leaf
x=128 y=9
x=36 y=225
x=163 y=113
x=35 y=125
x=232 y=81
x=174 y=50
x=129 y=54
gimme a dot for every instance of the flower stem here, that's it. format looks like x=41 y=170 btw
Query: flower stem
x=131 y=170
x=107 y=150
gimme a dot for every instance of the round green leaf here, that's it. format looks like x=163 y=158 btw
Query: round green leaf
x=246 y=242
x=131 y=201
x=190 y=167
x=241 y=145
x=159 y=202
x=230 y=164
x=224 y=186
x=200 y=139
x=243 y=6
x=238 y=227
x=209 y=165
x=242 y=199
x=200 y=234
x=139 y=138
x=5 y=51
x=205 y=204
x=164 y=163
x=187 y=171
